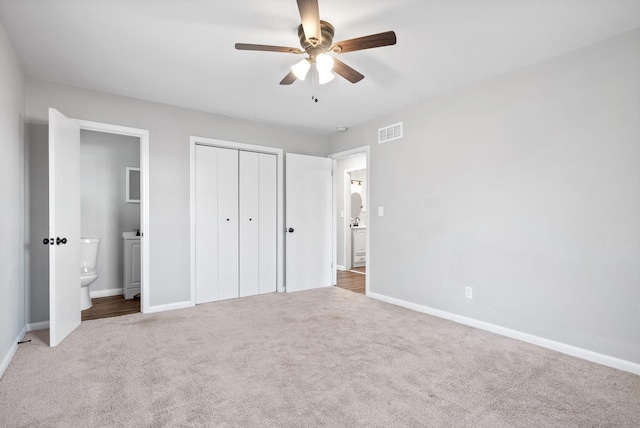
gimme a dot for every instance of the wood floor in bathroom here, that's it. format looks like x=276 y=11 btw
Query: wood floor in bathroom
x=352 y=281
x=113 y=306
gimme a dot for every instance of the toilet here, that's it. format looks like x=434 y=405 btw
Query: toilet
x=88 y=259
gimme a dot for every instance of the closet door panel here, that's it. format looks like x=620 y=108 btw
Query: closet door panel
x=227 y=223
x=249 y=223
x=267 y=238
x=206 y=224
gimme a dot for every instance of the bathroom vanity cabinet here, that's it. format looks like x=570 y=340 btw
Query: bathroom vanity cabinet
x=132 y=265
x=358 y=246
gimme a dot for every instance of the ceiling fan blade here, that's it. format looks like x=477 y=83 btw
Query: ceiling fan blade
x=367 y=42
x=347 y=72
x=289 y=79
x=267 y=48
x=310 y=16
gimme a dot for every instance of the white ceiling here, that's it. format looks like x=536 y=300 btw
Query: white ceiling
x=181 y=52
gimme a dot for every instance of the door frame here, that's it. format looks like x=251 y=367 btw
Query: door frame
x=143 y=134
x=193 y=140
x=338 y=181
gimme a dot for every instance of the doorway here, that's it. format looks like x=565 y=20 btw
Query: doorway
x=108 y=304
x=110 y=222
x=352 y=231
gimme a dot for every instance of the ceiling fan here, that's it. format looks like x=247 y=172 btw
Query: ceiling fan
x=316 y=39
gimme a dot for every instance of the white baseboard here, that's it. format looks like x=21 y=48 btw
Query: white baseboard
x=42 y=325
x=585 y=354
x=12 y=351
x=169 y=307
x=106 y=293
x=340 y=267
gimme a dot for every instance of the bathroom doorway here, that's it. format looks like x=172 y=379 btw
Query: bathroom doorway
x=111 y=212
x=351 y=179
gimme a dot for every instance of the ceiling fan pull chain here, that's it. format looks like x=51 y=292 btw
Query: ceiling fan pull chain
x=314 y=83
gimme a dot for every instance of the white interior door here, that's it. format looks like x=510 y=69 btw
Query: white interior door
x=64 y=226
x=216 y=223
x=268 y=216
x=309 y=201
x=206 y=254
x=249 y=223
x=258 y=223
x=228 y=274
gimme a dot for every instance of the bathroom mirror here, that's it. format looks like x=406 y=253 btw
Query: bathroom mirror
x=132 y=185
x=356 y=204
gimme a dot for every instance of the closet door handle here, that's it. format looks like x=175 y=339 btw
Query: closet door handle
x=47 y=241
x=60 y=241
x=290 y=230
x=227 y=219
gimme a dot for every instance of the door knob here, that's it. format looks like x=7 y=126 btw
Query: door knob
x=47 y=241
x=290 y=230
x=59 y=241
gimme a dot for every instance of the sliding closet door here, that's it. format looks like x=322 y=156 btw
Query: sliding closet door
x=257 y=223
x=216 y=223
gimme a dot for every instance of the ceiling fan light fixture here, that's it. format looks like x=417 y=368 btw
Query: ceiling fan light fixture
x=325 y=77
x=324 y=62
x=301 y=68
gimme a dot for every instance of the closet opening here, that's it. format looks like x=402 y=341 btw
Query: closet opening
x=236 y=220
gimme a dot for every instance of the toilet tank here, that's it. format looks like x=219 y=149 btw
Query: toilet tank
x=89 y=252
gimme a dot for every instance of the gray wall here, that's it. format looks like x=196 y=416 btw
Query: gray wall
x=525 y=187
x=38 y=226
x=104 y=211
x=170 y=128
x=12 y=202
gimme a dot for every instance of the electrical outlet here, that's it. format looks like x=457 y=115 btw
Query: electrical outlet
x=468 y=292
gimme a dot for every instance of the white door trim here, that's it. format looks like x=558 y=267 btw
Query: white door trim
x=143 y=134
x=336 y=180
x=193 y=140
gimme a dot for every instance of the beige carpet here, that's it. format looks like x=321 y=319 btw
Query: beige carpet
x=325 y=357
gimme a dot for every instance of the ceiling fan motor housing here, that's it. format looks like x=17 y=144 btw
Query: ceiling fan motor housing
x=326 y=31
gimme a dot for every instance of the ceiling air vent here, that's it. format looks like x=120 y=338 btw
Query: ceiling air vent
x=389 y=133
